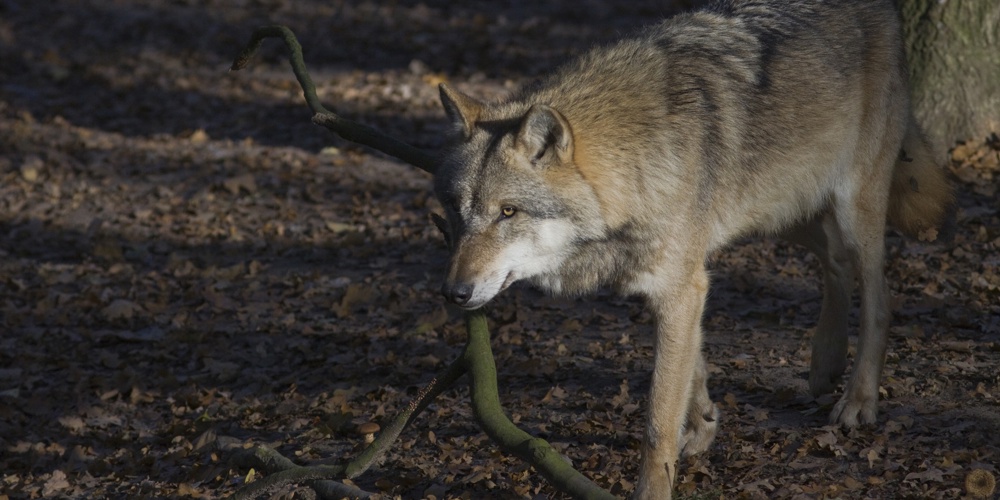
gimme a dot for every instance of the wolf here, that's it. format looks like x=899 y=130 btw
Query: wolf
x=632 y=165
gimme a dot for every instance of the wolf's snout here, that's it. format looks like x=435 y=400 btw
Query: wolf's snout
x=459 y=293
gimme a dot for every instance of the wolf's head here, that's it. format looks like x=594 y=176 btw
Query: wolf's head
x=513 y=197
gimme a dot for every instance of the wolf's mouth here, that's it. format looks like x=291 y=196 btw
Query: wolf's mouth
x=508 y=281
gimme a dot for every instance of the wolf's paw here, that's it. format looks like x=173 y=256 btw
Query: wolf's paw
x=851 y=411
x=823 y=383
x=655 y=481
x=828 y=364
x=699 y=434
x=647 y=491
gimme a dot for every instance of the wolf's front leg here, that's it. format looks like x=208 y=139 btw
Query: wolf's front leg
x=677 y=356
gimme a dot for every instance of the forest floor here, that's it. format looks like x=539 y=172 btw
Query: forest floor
x=184 y=256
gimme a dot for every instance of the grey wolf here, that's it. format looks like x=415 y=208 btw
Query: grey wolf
x=630 y=166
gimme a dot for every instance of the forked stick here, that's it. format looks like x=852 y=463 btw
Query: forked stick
x=348 y=129
x=476 y=360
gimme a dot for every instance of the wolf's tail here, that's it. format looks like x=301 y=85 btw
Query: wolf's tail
x=920 y=197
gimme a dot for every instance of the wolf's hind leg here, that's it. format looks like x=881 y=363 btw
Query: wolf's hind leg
x=829 y=344
x=860 y=213
x=859 y=403
x=702 y=417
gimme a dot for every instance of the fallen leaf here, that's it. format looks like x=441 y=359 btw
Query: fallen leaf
x=72 y=422
x=245 y=183
x=56 y=483
x=121 y=309
x=931 y=474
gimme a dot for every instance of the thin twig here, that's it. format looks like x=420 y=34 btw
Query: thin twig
x=348 y=129
x=377 y=448
x=282 y=471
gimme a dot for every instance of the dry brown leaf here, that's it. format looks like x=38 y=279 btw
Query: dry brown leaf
x=56 y=483
x=121 y=309
x=72 y=422
x=932 y=474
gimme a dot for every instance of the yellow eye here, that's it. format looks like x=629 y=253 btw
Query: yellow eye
x=508 y=211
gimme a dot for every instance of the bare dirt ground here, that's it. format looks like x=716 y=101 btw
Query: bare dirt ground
x=183 y=256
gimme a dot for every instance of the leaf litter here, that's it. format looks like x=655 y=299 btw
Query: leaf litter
x=184 y=259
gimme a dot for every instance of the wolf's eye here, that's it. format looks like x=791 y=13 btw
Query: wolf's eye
x=508 y=212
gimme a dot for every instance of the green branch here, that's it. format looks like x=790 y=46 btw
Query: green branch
x=478 y=357
x=281 y=471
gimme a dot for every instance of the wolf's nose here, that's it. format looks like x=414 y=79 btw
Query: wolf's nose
x=459 y=293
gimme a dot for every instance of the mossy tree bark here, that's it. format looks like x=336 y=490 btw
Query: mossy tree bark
x=953 y=50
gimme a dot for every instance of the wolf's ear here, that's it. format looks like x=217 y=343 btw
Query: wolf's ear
x=462 y=110
x=545 y=136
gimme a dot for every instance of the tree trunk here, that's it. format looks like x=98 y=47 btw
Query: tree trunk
x=953 y=50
